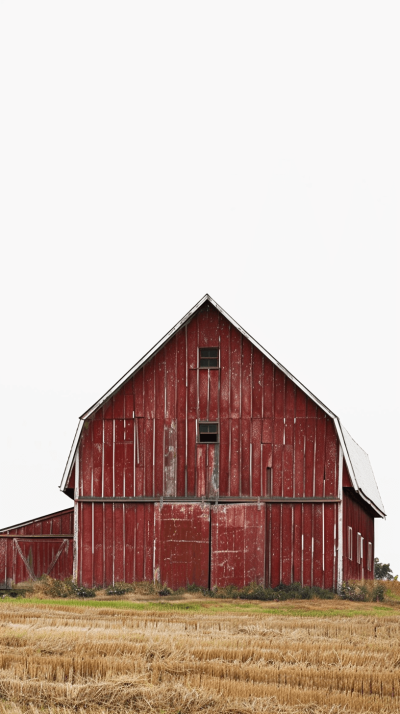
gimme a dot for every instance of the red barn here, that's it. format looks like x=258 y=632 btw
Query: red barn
x=209 y=463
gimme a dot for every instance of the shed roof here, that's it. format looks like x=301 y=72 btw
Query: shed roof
x=367 y=489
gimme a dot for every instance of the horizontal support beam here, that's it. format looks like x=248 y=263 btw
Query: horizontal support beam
x=219 y=499
x=45 y=536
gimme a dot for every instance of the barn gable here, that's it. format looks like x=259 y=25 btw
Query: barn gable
x=357 y=462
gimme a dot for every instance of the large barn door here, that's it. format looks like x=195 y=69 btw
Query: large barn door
x=238 y=544
x=182 y=544
x=36 y=557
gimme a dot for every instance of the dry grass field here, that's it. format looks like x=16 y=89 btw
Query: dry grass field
x=192 y=656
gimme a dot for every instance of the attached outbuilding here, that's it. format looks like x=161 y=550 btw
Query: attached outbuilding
x=208 y=463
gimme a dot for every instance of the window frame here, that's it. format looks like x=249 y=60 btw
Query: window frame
x=200 y=358
x=369 y=556
x=359 y=547
x=350 y=542
x=269 y=481
x=213 y=441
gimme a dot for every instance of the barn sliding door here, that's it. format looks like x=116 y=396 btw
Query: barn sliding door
x=33 y=558
x=238 y=544
x=182 y=544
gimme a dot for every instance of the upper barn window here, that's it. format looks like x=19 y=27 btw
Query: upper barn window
x=208 y=433
x=208 y=358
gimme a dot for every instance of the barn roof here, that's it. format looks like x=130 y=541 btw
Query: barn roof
x=37 y=520
x=360 y=471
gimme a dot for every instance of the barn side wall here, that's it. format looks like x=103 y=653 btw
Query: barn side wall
x=355 y=560
x=40 y=546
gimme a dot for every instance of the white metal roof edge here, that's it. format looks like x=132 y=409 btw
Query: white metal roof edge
x=35 y=520
x=71 y=456
x=351 y=469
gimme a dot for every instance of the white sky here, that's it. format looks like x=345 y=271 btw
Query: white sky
x=151 y=152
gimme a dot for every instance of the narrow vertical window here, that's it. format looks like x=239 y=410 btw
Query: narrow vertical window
x=358 y=548
x=350 y=543
x=369 y=556
x=269 y=481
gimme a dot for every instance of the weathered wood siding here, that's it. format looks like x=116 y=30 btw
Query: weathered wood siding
x=275 y=445
x=41 y=546
x=356 y=516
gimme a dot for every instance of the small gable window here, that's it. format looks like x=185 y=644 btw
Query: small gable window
x=209 y=358
x=208 y=433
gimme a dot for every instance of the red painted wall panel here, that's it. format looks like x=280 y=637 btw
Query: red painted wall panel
x=238 y=544
x=122 y=545
x=182 y=547
x=356 y=517
x=22 y=554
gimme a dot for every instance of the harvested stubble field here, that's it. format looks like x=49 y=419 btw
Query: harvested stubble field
x=191 y=656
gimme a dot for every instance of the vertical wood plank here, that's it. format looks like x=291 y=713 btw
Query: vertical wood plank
x=109 y=543
x=191 y=455
x=275 y=544
x=307 y=535
x=246 y=379
x=245 y=426
x=181 y=449
x=297 y=544
x=318 y=574
x=139 y=450
x=299 y=456
x=257 y=384
x=225 y=369
x=148 y=456
x=213 y=395
x=97 y=457
x=130 y=526
x=118 y=543
x=224 y=457
x=201 y=464
x=320 y=454
x=256 y=432
x=234 y=465
x=331 y=458
x=279 y=394
x=140 y=546
x=86 y=459
x=286 y=544
x=139 y=393
x=98 y=545
x=236 y=340
x=108 y=457
x=269 y=388
x=192 y=343
x=159 y=374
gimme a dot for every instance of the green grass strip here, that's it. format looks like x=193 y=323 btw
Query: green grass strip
x=209 y=607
